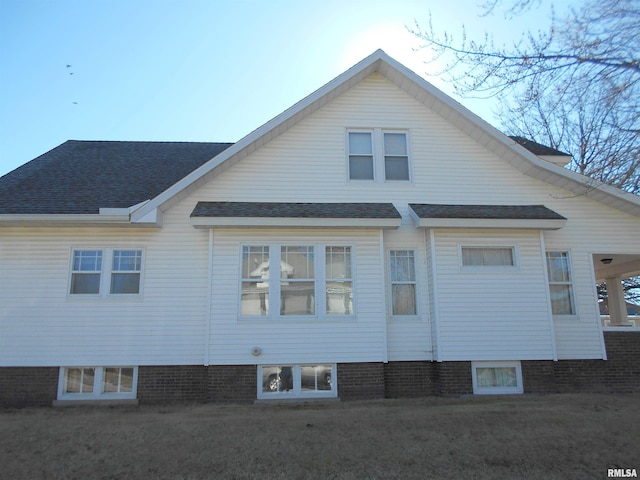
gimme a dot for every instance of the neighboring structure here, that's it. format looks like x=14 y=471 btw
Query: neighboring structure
x=375 y=239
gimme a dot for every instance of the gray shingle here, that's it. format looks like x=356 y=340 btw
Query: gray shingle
x=295 y=210
x=80 y=177
x=518 y=212
x=537 y=148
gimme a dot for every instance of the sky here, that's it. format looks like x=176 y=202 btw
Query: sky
x=196 y=70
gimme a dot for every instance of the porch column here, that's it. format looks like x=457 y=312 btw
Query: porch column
x=617 y=306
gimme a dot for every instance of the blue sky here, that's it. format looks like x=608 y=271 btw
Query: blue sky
x=195 y=70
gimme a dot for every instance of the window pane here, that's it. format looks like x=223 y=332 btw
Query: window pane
x=297 y=262
x=255 y=262
x=402 y=265
x=255 y=298
x=487 y=256
x=396 y=168
x=496 y=377
x=79 y=380
x=558 y=267
x=315 y=377
x=111 y=380
x=395 y=144
x=360 y=143
x=125 y=283
x=339 y=298
x=127 y=260
x=338 y=262
x=360 y=168
x=561 y=299
x=126 y=380
x=277 y=379
x=403 y=299
x=85 y=283
x=297 y=298
x=87 y=260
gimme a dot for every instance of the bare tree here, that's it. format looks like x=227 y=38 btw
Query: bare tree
x=575 y=87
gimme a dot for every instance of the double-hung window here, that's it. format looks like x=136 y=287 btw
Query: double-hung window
x=311 y=280
x=106 y=271
x=560 y=283
x=377 y=154
x=403 y=282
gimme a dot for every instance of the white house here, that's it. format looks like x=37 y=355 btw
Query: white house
x=375 y=239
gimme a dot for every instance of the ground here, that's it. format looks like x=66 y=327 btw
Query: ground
x=577 y=436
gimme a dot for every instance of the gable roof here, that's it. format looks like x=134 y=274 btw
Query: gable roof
x=414 y=85
x=81 y=177
x=537 y=148
x=170 y=189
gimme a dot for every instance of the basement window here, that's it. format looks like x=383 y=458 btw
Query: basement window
x=97 y=383
x=497 y=378
x=296 y=381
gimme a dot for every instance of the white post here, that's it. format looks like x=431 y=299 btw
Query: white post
x=617 y=306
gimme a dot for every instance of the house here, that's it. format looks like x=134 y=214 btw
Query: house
x=375 y=239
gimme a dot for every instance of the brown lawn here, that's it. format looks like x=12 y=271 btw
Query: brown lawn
x=532 y=437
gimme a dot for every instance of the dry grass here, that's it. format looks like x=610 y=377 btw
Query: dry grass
x=532 y=437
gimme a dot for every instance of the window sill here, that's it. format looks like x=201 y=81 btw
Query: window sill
x=299 y=319
x=95 y=402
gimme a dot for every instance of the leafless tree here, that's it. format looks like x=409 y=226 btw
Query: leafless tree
x=575 y=87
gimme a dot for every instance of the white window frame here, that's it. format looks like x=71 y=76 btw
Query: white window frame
x=98 y=392
x=106 y=273
x=378 y=153
x=320 y=283
x=569 y=283
x=515 y=255
x=481 y=390
x=296 y=391
x=414 y=282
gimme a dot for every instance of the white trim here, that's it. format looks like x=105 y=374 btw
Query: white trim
x=601 y=327
x=302 y=222
x=434 y=300
x=510 y=223
x=477 y=390
x=385 y=299
x=552 y=329
x=207 y=332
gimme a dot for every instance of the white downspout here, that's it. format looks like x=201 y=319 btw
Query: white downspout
x=552 y=329
x=436 y=320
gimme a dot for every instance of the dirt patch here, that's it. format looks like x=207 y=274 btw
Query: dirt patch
x=532 y=437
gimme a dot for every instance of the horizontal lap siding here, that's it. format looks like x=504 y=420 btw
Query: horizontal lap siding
x=410 y=338
x=490 y=315
x=330 y=339
x=42 y=325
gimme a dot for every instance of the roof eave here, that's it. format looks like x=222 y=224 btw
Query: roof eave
x=500 y=223
x=294 y=222
x=64 y=220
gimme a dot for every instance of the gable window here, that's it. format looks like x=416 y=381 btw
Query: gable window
x=560 y=283
x=97 y=383
x=396 y=158
x=106 y=271
x=314 y=280
x=497 y=377
x=377 y=155
x=488 y=256
x=360 y=156
x=86 y=271
x=403 y=282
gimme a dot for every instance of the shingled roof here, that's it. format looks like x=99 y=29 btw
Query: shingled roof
x=80 y=177
x=492 y=212
x=537 y=148
x=295 y=210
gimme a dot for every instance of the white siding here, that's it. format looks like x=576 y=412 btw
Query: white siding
x=480 y=317
x=40 y=324
x=487 y=314
x=330 y=339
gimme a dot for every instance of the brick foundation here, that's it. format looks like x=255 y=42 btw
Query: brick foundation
x=28 y=386
x=37 y=386
x=361 y=381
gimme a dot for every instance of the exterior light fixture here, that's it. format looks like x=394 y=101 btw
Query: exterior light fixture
x=607 y=261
